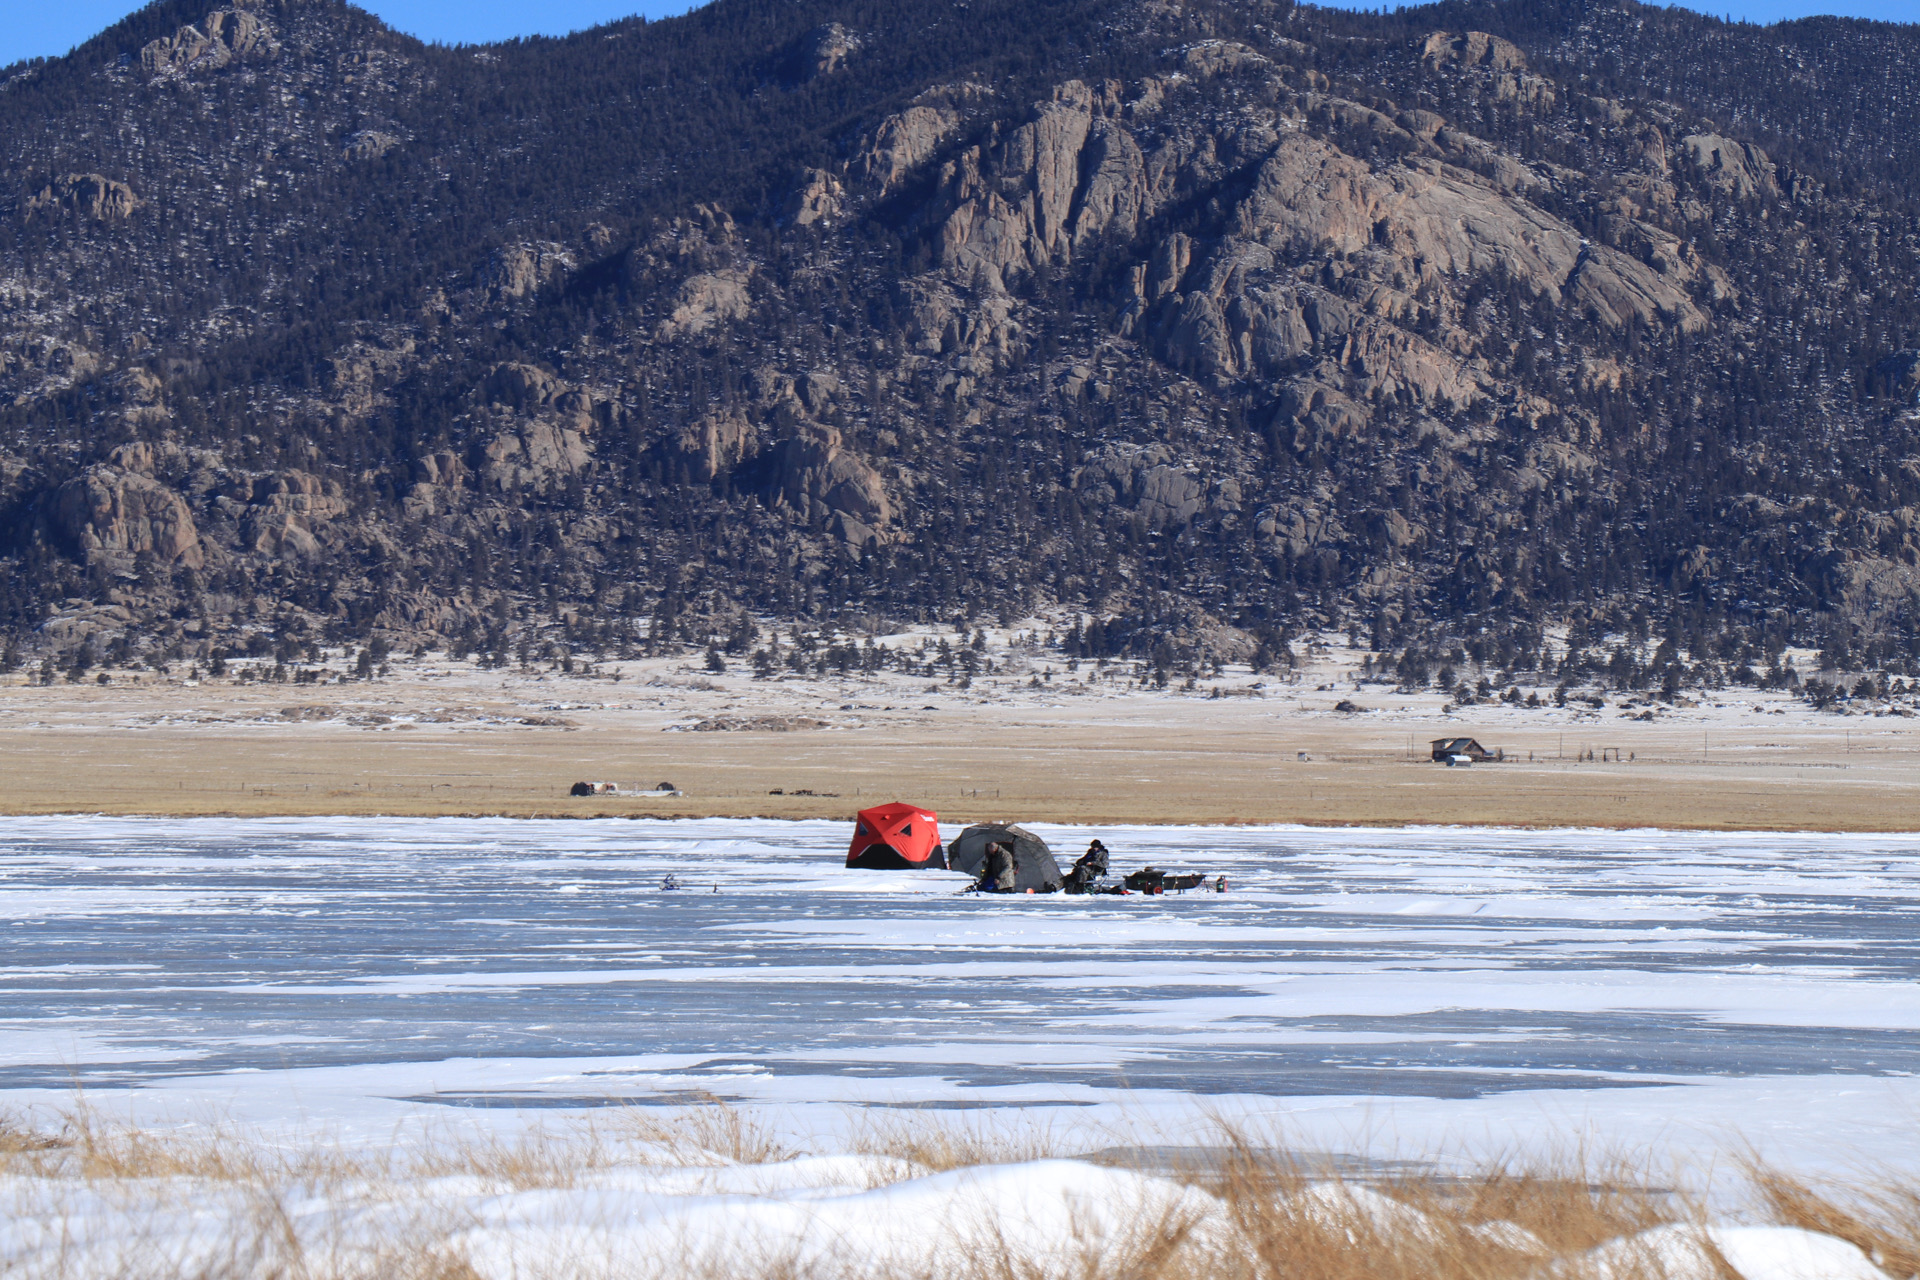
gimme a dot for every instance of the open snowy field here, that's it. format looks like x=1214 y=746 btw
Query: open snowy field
x=1376 y=993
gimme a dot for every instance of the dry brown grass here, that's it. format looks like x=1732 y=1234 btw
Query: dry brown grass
x=696 y=1134
x=938 y=1142
x=17 y=1140
x=1881 y=1217
x=1147 y=759
x=1295 y=1220
x=1569 y=1208
x=1269 y=1215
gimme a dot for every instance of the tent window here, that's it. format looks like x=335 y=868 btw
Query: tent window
x=907 y=830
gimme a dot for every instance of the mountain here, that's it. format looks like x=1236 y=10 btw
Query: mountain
x=1212 y=321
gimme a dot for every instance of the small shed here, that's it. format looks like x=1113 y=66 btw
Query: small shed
x=1444 y=749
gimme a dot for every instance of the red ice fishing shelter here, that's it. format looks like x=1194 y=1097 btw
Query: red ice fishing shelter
x=894 y=836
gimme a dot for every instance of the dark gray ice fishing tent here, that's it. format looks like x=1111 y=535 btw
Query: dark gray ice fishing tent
x=1034 y=867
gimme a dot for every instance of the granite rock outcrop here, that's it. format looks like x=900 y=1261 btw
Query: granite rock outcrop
x=222 y=37
x=88 y=194
x=117 y=511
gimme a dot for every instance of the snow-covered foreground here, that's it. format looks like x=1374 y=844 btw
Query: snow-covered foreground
x=662 y=1215
x=1448 y=995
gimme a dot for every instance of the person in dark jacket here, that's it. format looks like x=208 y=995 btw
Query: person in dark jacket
x=1089 y=867
x=1000 y=872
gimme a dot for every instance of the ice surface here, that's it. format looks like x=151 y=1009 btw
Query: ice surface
x=1377 y=992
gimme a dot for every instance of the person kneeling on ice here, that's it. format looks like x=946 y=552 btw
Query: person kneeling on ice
x=999 y=873
x=1089 y=867
x=1003 y=868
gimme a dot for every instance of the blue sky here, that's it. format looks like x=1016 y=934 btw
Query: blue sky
x=47 y=29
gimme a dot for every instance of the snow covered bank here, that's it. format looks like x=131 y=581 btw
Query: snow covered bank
x=653 y=1196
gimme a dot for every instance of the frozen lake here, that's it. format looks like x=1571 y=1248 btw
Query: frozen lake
x=1376 y=990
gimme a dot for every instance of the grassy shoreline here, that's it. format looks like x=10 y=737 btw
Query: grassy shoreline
x=587 y=1199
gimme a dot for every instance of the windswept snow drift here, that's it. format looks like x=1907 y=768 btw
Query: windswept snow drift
x=851 y=1217
x=1678 y=1252
x=1055 y=1217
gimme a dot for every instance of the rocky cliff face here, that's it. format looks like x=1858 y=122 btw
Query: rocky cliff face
x=117 y=511
x=216 y=41
x=1233 y=319
x=86 y=194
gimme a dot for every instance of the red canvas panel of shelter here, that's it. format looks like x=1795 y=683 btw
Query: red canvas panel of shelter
x=893 y=836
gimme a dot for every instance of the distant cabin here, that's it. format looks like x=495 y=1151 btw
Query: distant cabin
x=1444 y=749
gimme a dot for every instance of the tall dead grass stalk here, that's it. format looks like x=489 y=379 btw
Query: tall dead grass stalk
x=706 y=1129
x=941 y=1142
x=1881 y=1218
